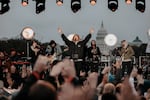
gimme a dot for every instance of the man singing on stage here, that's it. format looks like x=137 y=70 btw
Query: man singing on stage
x=77 y=49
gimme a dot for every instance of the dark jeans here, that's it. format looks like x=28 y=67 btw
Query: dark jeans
x=127 y=67
x=79 y=66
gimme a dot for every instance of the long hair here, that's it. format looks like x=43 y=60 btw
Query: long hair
x=52 y=42
x=73 y=39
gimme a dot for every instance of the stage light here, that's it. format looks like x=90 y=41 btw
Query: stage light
x=110 y=40
x=70 y=36
x=4 y=6
x=113 y=5
x=140 y=5
x=128 y=1
x=40 y=6
x=75 y=5
x=27 y=33
x=24 y=3
x=149 y=32
x=59 y=2
x=93 y=2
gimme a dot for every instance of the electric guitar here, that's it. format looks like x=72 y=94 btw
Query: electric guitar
x=55 y=55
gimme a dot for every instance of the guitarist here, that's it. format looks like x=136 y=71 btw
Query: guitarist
x=34 y=51
x=54 y=50
x=126 y=53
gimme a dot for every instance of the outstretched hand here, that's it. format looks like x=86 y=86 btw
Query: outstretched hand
x=65 y=67
x=69 y=69
x=127 y=92
x=60 y=30
x=91 y=31
x=92 y=79
x=56 y=70
x=41 y=63
x=106 y=70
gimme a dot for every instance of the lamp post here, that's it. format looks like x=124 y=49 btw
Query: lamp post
x=110 y=40
x=28 y=34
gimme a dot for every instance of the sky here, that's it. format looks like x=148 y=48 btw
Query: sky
x=126 y=22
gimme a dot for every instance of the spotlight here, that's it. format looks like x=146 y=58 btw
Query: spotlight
x=110 y=39
x=140 y=5
x=28 y=33
x=113 y=5
x=24 y=3
x=128 y=1
x=93 y=2
x=149 y=32
x=59 y=2
x=4 y=6
x=40 y=6
x=75 y=5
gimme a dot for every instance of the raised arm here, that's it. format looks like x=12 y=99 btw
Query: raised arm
x=65 y=39
x=87 y=38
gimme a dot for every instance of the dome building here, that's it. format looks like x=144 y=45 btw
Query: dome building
x=136 y=42
x=100 y=40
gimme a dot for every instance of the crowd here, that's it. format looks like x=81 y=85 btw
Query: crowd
x=49 y=77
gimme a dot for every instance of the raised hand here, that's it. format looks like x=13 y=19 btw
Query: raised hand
x=106 y=70
x=92 y=79
x=91 y=30
x=41 y=63
x=56 y=70
x=60 y=30
x=69 y=69
x=127 y=92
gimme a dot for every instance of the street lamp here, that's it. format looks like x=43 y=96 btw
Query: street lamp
x=28 y=34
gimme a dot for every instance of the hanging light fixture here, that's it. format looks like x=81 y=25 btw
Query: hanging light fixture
x=4 y=6
x=128 y=1
x=59 y=2
x=140 y=5
x=75 y=5
x=113 y=5
x=93 y=2
x=24 y=3
x=40 y=6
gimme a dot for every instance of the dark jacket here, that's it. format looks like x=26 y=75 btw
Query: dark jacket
x=78 y=48
x=91 y=54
